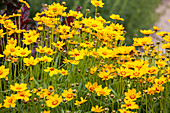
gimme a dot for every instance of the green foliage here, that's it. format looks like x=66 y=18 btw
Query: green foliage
x=138 y=14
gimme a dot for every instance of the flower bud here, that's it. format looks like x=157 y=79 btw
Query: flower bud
x=119 y=100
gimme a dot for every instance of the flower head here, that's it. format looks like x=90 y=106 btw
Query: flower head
x=97 y=3
x=97 y=109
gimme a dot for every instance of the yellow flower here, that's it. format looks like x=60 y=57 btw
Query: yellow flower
x=97 y=109
x=54 y=101
x=165 y=46
x=161 y=63
x=97 y=3
x=57 y=9
x=9 y=24
x=101 y=19
x=75 y=62
x=91 y=87
x=136 y=73
x=46 y=111
x=48 y=92
x=129 y=105
x=93 y=53
x=150 y=79
x=29 y=41
x=100 y=91
x=125 y=111
x=49 y=51
x=1 y=105
x=11 y=50
x=1 y=55
x=2 y=19
x=77 y=54
x=104 y=52
x=152 y=70
x=64 y=72
x=3 y=72
x=147 y=32
x=69 y=95
x=151 y=91
x=30 y=37
x=142 y=41
x=40 y=28
x=41 y=49
x=14 y=15
x=87 y=44
x=157 y=88
x=168 y=70
x=12 y=42
x=23 y=95
x=156 y=28
x=162 y=33
x=75 y=14
x=31 y=78
x=22 y=1
x=80 y=102
x=59 y=44
x=105 y=75
x=1 y=33
x=52 y=71
x=166 y=38
x=126 y=50
x=23 y=52
x=30 y=61
x=123 y=71
x=18 y=87
x=160 y=81
x=46 y=59
x=131 y=95
x=10 y=101
x=116 y=17
x=93 y=70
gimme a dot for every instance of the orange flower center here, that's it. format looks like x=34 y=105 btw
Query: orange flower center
x=160 y=82
x=69 y=95
x=12 y=49
x=94 y=53
x=97 y=110
x=55 y=102
x=29 y=40
x=106 y=77
x=128 y=105
x=91 y=88
x=123 y=73
x=22 y=95
x=133 y=96
x=76 y=54
x=1 y=72
x=157 y=89
x=94 y=25
x=104 y=53
x=136 y=74
x=18 y=88
x=42 y=50
x=12 y=42
x=152 y=71
x=97 y=3
x=49 y=52
x=52 y=69
x=10 y=100
x=23 y=53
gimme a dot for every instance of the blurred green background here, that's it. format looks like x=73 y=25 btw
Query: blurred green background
x=138 y=14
